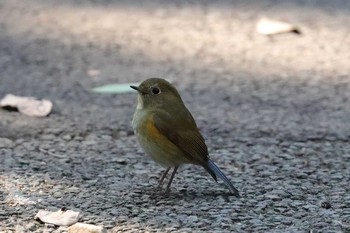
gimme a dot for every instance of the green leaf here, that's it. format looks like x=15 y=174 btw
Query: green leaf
x=115 y=88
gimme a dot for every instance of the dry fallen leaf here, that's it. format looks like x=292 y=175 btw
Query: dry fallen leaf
x=27 y=105
x=59 y=218
x=93 y=73
x=85 y=228
x=267 y=26
x=115 y=88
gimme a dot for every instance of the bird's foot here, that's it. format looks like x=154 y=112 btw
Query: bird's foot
x=160 y=192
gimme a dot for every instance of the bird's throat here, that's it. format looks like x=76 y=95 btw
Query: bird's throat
x=139 y=102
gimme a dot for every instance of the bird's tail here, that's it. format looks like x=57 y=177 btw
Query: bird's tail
x=215 y=171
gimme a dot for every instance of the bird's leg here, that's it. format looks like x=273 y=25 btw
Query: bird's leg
x=171 y=179
x=160 y=183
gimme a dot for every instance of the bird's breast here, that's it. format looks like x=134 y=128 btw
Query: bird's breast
x=154 y=143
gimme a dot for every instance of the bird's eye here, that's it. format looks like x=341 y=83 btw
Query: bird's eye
x=155 y=90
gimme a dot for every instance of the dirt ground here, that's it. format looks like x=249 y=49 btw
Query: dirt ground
x=274 y=112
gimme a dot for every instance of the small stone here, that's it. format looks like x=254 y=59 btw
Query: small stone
x=73 y=190
x=192 y=218
x=287 y=221
x=326 y=205
x=309 y=207
x=106 y=137
x=273 y=197
x=120 y=161
x=57 y=194
x=67 y=137
x=141 y=172
x=6 y=143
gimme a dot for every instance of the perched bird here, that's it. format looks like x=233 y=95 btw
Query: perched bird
x=167 y=132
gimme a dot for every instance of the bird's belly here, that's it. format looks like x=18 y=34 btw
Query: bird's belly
x=162 y=154
x=156 y=145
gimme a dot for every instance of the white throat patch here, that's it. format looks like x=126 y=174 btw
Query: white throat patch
x=139 y=102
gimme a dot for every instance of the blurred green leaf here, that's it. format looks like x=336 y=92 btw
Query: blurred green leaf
x=115 y=88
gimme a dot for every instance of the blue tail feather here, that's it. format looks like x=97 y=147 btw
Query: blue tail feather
x=215 y=171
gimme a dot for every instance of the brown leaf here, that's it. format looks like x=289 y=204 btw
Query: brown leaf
x=60 y=217
x=267 y=26
x=85 y=228
x=27 y=105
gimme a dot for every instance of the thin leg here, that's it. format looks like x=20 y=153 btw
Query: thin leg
x=160 y=183
x=171 y=179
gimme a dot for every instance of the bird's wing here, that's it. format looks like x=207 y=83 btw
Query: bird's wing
x=185 y=135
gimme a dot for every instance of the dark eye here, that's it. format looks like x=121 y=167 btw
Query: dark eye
x=155 y=90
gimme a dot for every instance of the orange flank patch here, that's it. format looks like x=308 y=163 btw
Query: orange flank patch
x=167 y=153
x=157 y=137
x=154 y=133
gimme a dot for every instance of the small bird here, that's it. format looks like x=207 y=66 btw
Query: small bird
x=167 y=132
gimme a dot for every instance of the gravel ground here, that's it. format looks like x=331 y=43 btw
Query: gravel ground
x=274 y=113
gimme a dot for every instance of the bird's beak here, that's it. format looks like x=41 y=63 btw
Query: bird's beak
x=137 y=89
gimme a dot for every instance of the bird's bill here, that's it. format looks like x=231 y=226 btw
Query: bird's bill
x=136 y=88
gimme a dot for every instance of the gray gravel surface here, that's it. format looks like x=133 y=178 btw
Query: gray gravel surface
x=274 y=112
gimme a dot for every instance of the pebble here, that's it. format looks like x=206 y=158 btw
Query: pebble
x=326 y=205
x=67 y=137
x=192 y=218
x=6 y=143
x=273 y=197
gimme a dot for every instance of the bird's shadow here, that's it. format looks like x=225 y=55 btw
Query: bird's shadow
x=190 y=194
